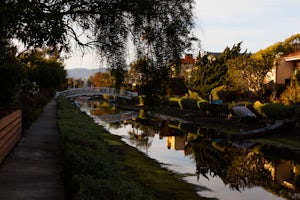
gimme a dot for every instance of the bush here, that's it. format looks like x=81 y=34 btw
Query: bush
x=174 y=103
x=297 y=183
x=189 y=104
x=276 y=111
x=291 y=95
x=229 y=95
x=257 y=107
x=215 y=92
x=176 y=86
x=11 y=78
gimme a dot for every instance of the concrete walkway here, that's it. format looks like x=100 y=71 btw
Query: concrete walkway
x=33 y=169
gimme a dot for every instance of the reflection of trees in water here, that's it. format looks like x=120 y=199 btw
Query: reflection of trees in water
x=141 y=135
x=246 y=170
x=238 y=168
x=209 y=160
x=102 y=108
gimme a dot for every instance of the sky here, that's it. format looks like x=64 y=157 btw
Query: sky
x=223 y=23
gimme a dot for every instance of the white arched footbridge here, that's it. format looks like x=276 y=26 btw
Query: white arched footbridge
x=91 y=91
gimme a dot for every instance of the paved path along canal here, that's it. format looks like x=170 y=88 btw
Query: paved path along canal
x=33 y=170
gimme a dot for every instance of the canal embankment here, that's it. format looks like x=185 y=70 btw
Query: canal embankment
x=98 y=165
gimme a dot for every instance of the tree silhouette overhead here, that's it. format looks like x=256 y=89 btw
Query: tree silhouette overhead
x=160 y=28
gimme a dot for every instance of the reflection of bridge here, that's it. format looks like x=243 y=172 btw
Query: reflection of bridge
x=117 y=117
x=90 y=91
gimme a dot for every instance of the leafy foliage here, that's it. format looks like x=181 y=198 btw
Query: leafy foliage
x=159 y=29
x=211 y=71
x=289 y=45
x=11 y=79
x=102 y=79
x=176 y=86
x=297 y=76
x=153 y=79
x=275 y=111
x=11 y=75
x=47 y=72
x=247 y=74
x=292 y=93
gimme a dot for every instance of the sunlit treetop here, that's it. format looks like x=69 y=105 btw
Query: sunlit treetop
x=289 y=45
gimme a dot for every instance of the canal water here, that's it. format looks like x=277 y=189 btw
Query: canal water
x=221 y=168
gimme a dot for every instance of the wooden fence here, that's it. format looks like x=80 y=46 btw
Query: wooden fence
x=10 y=132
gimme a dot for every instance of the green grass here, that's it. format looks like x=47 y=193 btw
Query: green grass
x=98 y=165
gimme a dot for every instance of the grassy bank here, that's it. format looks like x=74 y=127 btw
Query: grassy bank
x=98 y=165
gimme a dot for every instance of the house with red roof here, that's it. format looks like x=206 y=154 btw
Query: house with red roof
x=187 y=64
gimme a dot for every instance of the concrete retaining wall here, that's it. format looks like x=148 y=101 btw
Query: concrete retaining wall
x=10 y=132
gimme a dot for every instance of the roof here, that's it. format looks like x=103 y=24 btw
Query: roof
x=188 y=59
x=293 y=56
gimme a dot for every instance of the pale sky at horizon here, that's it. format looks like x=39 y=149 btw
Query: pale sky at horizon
x=219 y=24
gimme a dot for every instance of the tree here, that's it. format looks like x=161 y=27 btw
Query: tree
x=247 y=74
x=102 y=79
x=153 y=79
x=159 y=28
x=11 y=75
x=45 y=69
x=211 y=71
x=289 y=45
x=292 y=93
x=11 y=79
x=209 y=75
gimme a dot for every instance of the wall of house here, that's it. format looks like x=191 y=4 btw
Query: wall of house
x=284 y=71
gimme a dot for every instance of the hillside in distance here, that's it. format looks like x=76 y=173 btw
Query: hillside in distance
x=82 y=73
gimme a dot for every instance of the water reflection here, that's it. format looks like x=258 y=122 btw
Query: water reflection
x=240 y=166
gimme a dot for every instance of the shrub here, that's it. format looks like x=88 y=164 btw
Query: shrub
x=11 y=78
x=189 y=104
x=194 y=95
x=297 y=183
x=277 y=111
x=291 y=95
x=257 y=107
x=215 y=92
x=228 y=95
x=174 y=102
x=176 y=86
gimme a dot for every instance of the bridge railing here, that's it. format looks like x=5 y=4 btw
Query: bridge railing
x=73 y=92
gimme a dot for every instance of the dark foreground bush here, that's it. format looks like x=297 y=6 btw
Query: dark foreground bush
x=189 y=104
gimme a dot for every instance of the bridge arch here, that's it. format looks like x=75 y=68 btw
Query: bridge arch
x=90 y=91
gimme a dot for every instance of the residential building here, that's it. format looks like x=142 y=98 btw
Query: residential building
x=284 y=69
x=187 y=64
